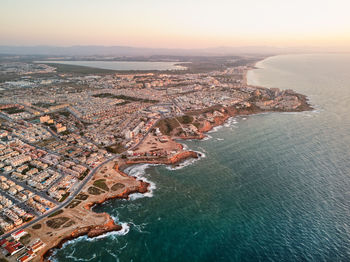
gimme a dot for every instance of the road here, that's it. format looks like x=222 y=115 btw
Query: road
x=25 y=186
x=66 y=202
x=144 y=137
x=78 y=189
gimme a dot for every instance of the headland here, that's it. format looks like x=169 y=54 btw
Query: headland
x=185 y=111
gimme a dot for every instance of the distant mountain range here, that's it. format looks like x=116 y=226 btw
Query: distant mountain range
x=86 y=50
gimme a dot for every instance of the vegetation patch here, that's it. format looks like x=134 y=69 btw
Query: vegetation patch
x=186 y=119
x=64 y=113
x=101 y=183
x=36 y=226
x=44 y=104
x=179 y=132
x=126 y=98
x=68 y=224
x=73 y=204
x=166 y=126
x=82 y=196
x=116 y=148
x=117 y=186
x=45 y=142
x=56 y=213
x=64 y=197
x=25 y=239
x=82 y=176
x=13 y=110
x=83 y=70
x=94 y=191
x=57 y=222
x=28 y=219
x=197 y=124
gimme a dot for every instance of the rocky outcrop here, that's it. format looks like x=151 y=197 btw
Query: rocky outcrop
x=206 y=127
x=165 y=161
x=97 y=230
x=186 y=137
x=181 y=157
x=89 y=231
x=142 y=188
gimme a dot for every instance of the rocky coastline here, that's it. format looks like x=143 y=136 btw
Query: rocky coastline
x=206 y=125
x=97 y=230
x=94 y=231
x=180 y=157
x=89 y=231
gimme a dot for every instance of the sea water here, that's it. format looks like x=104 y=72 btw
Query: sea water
x=272 y=187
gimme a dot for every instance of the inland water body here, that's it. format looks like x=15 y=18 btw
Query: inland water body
x=121 y=65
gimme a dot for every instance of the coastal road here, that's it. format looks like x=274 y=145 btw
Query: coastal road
x=144 y=137
x=65 y=203
x=76 y=192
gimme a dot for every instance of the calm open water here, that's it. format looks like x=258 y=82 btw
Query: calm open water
x=121 y=65
x=272 y=187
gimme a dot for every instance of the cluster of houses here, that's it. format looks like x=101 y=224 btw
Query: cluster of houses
x=58 y=127
x=12 y=215
x=39 y=204
x=31 y=132
x=26 y=163
x=71 y=168
x=63 y=187
x=12 y=246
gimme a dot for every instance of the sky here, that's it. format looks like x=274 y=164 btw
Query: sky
x=176 y=23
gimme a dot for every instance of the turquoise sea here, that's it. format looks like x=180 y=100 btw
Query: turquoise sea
x=271 y=187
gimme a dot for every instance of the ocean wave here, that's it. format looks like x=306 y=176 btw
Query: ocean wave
x=231 y=121
x=228 y=123
x=114 y=252
x=187 y=162
x=139 y=228
x=185 y=147
x=202 y=150
x=207 y=137
x=317 y=109
x=291 y=113
x=139 y=172
x=215 y=129
x=125 y=229
x=304 y=113
x=71 y=256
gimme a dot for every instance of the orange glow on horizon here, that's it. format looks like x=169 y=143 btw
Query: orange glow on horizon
x=180 y=24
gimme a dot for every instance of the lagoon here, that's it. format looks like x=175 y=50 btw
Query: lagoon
x=122 y=65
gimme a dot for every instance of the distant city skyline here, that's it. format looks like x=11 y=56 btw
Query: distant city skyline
x=176 y=24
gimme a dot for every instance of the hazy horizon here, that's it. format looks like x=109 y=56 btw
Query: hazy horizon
x=120 y=51
x=323 y=25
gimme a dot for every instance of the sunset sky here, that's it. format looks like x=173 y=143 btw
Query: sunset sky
x=176 y=24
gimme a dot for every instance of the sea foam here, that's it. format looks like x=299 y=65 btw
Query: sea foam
x=187 y=162
x=139 y=172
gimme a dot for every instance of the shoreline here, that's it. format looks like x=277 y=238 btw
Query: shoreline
x=186 y=155
x=116 y=227
x=98 y=230
x=143 y=187
x=111 y=225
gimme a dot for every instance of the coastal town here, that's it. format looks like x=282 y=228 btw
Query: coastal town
x=66 y=137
